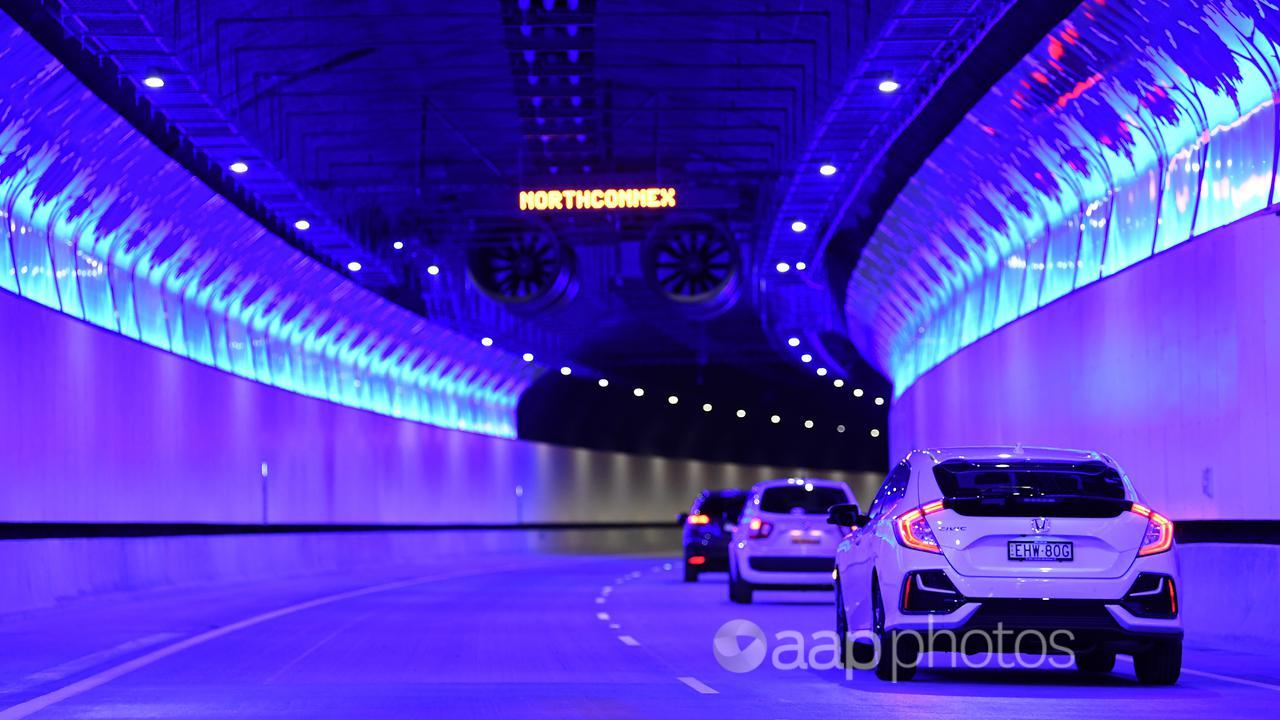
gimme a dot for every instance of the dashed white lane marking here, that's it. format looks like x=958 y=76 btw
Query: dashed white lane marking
x=603 y=616
x=599 y=601
x=36 y=704
x=1224 y=678
x=628 y=640
x=615 y=626
x=698 y=685
x=86 y=662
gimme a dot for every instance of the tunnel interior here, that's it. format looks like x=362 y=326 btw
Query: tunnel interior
x=570 y=358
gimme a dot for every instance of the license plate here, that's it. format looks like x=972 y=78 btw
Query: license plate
x=1041 y=550
x=804 y=541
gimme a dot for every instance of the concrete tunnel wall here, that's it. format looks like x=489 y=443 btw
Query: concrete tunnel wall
x=1171 y=366
x=98 y=428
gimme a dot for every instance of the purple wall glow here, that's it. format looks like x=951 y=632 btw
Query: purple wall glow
x=1171 y=366
x=95 y=427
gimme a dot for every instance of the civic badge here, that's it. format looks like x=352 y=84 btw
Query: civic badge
x=1040 y=524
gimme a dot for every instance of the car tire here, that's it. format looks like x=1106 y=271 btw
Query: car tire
x=1096 y=662
x=739 y=589
x=1161 y=664
x=899 y=654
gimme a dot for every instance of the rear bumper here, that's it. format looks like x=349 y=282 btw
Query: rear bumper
x=716 y=557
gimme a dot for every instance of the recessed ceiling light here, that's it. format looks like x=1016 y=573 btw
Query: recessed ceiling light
x=793 y=342
x=808 y=424
x=838 y=382
x=706 y=407
x=238 y=167
x=603 y=382
x=822 y=372
x=397 y=245
x=638 y=392
x=528 y=357
x=827 y=169
x=806 y=358
x=889 y=85
x=155 y=82
x=433 y=269
x=486 y=341
x=857 y=392
x=566 y=370
x=839 y=428
x=354 y=266
x=775 y=419
x=302 y=225
x=875 y=432
x=799 y=226
x=741 y=413
x=879 y=401
x=801 y=265
x=782 y=267
x=672 y=399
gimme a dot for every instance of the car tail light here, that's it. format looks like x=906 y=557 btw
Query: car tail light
x=697 y=560
x=1159 y=535
x=758 y=528
x=913 y=528
x=699 y=519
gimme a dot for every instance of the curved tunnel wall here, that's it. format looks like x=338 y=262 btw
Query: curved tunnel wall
x=98 y=223
x=1135 y=126
x=1172 y=367
x=96 y=427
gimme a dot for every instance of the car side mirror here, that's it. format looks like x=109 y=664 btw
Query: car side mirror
x=682 y=518
x=845 y=515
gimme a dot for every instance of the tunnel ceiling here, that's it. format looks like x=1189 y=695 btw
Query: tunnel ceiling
x=391 y=141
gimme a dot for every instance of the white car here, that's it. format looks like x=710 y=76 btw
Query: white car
x=962 y=544
x=783 y=540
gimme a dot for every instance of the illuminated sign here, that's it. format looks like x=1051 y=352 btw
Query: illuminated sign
x=597 y=199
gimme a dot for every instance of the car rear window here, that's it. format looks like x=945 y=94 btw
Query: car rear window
x=801 y=499
x=1090 y=489
x=724 y=506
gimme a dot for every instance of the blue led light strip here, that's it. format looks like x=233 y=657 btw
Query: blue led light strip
x=97 y=223
x=1135 y=126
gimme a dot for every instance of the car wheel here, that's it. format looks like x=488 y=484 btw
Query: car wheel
x=690 y=575
x=899 y=654
x=842 y=629
x=1161 y=665
x=739 y=589
x=1096 y=661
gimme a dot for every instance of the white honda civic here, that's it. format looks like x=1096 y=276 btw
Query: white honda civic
x=783 y=540
x=1032 y=552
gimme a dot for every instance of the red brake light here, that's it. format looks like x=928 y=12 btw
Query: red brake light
x=699 y=519
x=1159 y=534
x=759 y=528
x=913 y=529
x=697 y=560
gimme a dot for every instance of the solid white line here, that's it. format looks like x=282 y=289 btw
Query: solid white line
x=36 y=704
x=1224 y=678
x=698 y=685
x=603 y=616
x=628 y=640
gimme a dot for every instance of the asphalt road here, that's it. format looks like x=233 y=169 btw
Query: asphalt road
x=527 y=637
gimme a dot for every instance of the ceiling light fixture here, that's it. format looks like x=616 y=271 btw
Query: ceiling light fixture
x=793 y=342
x=875 y=432
x=806 y=358
x=302 y=225
x=741 y=413
x=397 y=245
x=238 y=167
x=799 y=226
x=706 y=407
x=603 y=382
x=857 y=392
x=153 y=81
x=822 y=372
x=782 y=267
x=566 y=370
x=889 y=85
x=486 y=341
x=354 y=266
x=528 y=357
x=638 y=392
x=801 y=265
x=433 y=269
x=808 y=424
x=827 y=169
x=672 y=399
x=838 y=382
x=775 y=419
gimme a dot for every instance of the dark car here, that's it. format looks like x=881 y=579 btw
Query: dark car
x=707 y=528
